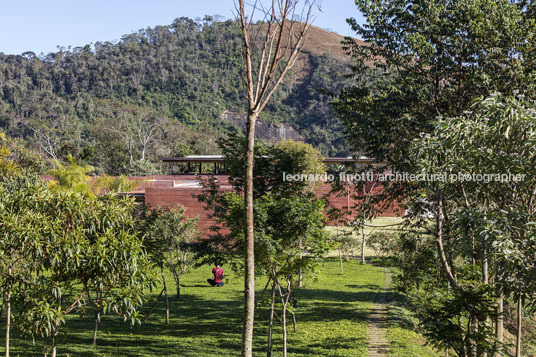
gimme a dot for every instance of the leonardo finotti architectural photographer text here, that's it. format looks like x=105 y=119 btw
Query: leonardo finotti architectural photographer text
x=404 y=177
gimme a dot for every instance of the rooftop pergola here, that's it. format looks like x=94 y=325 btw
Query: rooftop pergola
x=219 y=162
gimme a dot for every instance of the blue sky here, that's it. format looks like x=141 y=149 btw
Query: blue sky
x=41 y=25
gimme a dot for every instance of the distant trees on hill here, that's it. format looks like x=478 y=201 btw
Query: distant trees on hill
x=186 y=74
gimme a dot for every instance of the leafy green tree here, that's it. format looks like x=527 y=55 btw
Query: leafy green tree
x=486 y=222
x=289 y=220
x=168 y=237
x=72 y=177
x=115 y=271
x=460 y=269
x=345 y=241
x=69 y=251
x=289 y=237
x=7 y=166
x=271 y=162
x=30 y=160
x=424 y=60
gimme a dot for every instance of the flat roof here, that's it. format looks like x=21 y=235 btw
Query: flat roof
x=207 y=159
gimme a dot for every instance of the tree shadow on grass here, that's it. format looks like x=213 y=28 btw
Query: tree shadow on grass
x=191 y=318
x=325 y=308
x=384 y=262
x=365 y=286
x=211 y=324
x=399 y=311
x=206 y=285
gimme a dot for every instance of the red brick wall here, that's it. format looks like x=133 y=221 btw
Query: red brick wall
x=346 y=202
x=174 y=197
x=162 y=193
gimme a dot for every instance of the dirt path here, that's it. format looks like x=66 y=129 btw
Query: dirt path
x=378 y=321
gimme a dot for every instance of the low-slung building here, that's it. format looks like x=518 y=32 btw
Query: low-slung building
x=182 y=186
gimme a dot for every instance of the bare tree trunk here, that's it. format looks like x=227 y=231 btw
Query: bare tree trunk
x=294 y=324
x=249 y=281
x=485 y=280
x=439 y=244
x=54 y=342
x=165 y=294
x=8 y=320
x=340 y=260
x=3 y=307
x=446 y=349
x=271 y=323
x=177 y=278
x=463 y=338
x=95 y=329
x=284 y=324
x=300 y=273
x=56 y=330
x=130 y=154
x=363 y=242
x=499 y=322
x=143 y=154
x=284 y=303
x=152 y=307
x=519 y=324
x=474 y=345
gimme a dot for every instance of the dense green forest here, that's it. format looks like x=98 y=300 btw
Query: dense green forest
x=122 y=106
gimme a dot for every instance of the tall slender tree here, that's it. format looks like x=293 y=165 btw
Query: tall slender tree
x=273 y=33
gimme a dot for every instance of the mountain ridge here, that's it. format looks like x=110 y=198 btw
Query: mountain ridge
x=186 y=75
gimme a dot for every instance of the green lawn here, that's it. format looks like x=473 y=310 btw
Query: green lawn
x=332 y=313
x=380 y=224
x=404 y=340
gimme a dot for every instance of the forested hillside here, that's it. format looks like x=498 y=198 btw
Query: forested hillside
x=161 y=91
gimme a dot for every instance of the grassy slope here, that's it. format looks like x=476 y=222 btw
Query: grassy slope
x=404 y=340
x=332 y=314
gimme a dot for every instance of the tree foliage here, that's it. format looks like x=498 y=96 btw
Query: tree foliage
x=289 y=220
x=66 y=251
x=425 y=59
x=7 y=167
x=169 y=236
x=428 y=106
x=178 y=79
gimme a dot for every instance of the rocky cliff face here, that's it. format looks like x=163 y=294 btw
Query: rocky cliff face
x=263 y=130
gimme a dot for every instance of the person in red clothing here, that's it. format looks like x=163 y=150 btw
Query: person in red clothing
x=217 y=272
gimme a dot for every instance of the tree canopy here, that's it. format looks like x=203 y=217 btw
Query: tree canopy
x=155 y=93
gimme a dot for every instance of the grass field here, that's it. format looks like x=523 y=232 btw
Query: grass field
x=404 y=341
x=331 y=313
x=380 y=224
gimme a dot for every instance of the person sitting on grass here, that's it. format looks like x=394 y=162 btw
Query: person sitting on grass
x=217 y=272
